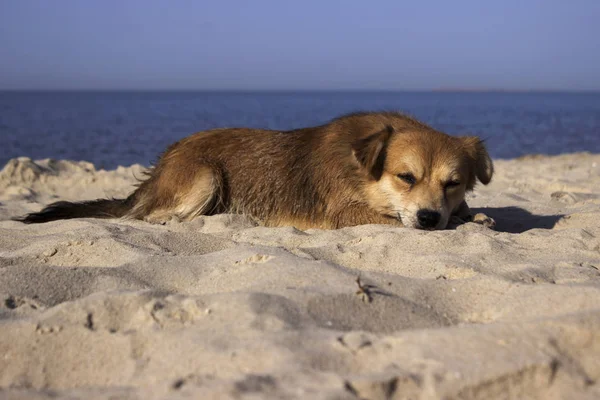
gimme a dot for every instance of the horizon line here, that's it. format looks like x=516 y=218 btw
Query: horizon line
x=348 y=90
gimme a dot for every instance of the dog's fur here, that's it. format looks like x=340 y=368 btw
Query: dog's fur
x=363 y=168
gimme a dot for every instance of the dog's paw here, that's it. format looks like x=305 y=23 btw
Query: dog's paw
x=160 y=219
x=479 y=219
x=484 y=220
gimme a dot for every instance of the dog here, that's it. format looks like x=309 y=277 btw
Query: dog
x=361 y=168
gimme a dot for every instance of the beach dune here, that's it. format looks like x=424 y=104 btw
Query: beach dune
x=220 y=307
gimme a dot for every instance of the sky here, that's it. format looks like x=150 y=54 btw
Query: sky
x=299 y=45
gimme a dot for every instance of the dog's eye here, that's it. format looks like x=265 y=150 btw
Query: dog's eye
x=451 y=184
x=408 y=178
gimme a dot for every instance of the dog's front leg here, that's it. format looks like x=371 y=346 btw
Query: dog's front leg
x=359 y=214
x=463 y=215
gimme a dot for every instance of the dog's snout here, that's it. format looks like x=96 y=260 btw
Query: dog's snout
x=428 y=218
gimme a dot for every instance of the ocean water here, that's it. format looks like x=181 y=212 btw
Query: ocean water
x=123 y=128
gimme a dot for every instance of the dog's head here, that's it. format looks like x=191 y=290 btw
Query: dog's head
x=420 y=175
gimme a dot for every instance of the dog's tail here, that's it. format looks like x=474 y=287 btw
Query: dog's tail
x=101 y=208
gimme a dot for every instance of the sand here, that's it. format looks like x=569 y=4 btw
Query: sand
x=221 y=308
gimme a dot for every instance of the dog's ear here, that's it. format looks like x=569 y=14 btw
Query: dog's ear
x=480 y=159
x=370 y=151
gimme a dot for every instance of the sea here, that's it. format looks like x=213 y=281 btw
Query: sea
x=123 y=128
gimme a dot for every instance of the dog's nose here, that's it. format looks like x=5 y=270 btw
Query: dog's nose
x=428 y=218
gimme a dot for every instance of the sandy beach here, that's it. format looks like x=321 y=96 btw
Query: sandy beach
x=220 y=308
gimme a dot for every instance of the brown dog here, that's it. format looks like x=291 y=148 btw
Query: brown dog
x=364 y=168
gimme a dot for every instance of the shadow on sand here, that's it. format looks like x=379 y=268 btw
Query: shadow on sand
x=517 y=220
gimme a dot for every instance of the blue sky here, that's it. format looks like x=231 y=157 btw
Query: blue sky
x=274 y=45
